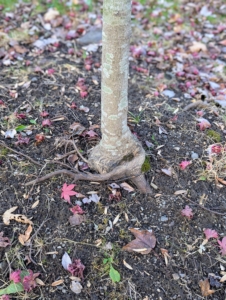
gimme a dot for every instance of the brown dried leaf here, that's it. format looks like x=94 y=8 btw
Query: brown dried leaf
x=77 y=128
x=23 y=238
x=145 y=241
x=58 y=282
x=39 y=282
x=205 y=287
x=127 y=187
x=76 y=219
x=35 y=204
x=7 y=216
x=197 y=46
x=72 y=158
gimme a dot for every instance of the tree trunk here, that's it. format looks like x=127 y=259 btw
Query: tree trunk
x=118 y=145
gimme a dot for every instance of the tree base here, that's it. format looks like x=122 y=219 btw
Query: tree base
x=127 y=166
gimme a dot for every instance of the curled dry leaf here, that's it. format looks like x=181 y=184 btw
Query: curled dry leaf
x=77 y=128
x=145 y=241
x=205 y=287
x=8 y=216
x=23 y=238
x=127 y=265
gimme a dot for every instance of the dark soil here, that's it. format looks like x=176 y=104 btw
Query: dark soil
x=151 y=277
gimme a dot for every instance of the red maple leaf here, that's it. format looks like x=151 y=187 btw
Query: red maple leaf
x=67 y=192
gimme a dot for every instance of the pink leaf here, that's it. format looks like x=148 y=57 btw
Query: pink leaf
x=222 y=245
x=203 y=123
x=5 y=297
x=77 y=210
x=210 y=233
x=44 y=113
x=183 y=165
x=76 y=268
x=66 y=261
x=29 y=281
x=187 y=212
x=22 y=140
x=216 y=149
x=91 y=133
x=200 y=113
x=20 y=116
x=67 y=192
x=15 y=276
x=46 y=122
x=50 y=71
x=4 y=241
x=83 y=94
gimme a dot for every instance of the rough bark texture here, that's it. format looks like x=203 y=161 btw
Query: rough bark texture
x=118 y=145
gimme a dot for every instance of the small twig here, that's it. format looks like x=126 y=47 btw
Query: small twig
x=212 y=211
x=32 y=238
x=79 y=154
x=19 y=153
x=9 y=264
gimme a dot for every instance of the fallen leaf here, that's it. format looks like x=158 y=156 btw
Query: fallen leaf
x=67 y=192
x=127 y=187
x=72 y=158
x=76 y=219
x=116 y=219
x=187 y=212
x=197 y=46
x=66 y=261
x=4 y=241
x=39 y=282
x=179 y=192
x=203 y=123
x=222 y=245
x=8 y=215
x=34 y=205
x=183 y=165
x=51 y=14
x=9 y=134
x=77 y=128
x=57 y=282
x=127 y=265
x=76 y=287
x=145 y=241
x=210 y=233
x=205 y=287
x=23 y=238
x=167 y=172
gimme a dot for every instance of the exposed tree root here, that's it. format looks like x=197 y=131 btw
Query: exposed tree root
x=119 y=172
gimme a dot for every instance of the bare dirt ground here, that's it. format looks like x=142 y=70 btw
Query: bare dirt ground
x=177 y=100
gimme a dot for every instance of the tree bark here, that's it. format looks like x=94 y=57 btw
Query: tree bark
x=118 y=145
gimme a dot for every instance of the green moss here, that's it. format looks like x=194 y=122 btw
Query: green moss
x=214 y=135
x=4 y=151
x=146 y=165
